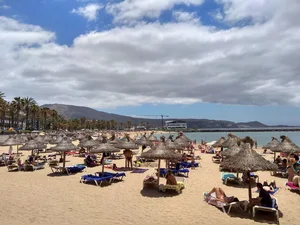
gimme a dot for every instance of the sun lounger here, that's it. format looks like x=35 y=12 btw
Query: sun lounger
x=12 y=167
x=164 y=172
x=95 y=179
x=178 y=187
x=216 y=159
x=74 y=169
x=290 y=186
x=31 y=167
x=188 y=164
x=118 y=176
x=274 y=208
x=282 y=172
x=230 y=177
x=222 y=205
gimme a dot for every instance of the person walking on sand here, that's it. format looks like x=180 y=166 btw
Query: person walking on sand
x=128 y=158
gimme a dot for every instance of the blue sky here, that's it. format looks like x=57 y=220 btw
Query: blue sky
x=214 y=59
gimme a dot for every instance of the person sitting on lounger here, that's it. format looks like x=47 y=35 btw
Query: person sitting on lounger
x=283 y=165
x=220 y=196
x=171 y=180
x=264 y=198
x=89 y=161
x=278 y=160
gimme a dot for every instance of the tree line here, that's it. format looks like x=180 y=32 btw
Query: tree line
x=24 y=113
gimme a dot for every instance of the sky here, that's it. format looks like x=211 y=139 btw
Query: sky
x=233 y=60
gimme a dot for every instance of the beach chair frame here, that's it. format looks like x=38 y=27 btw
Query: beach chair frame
x=266 y=209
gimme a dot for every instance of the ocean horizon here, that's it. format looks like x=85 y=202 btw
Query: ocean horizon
x=262 y=138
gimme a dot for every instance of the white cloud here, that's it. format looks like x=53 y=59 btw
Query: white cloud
x=129 y=11
x=256 y=10
x=4 y=7
x=89 y=11
x=182 y=62
x=182 y=16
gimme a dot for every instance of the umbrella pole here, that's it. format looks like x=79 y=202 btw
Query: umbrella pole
x=274 y=156
x=158 y=173
x=102 y=169
x=249 y=187
x=64 y=161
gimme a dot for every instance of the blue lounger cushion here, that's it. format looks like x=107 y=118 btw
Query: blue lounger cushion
x=228 y=175
x=112 y=174
x=188 y=164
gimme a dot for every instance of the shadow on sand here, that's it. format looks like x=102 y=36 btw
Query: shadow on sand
x=155 y=193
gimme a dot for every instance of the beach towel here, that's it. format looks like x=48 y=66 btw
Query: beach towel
x=139 y=171
x=270 y=192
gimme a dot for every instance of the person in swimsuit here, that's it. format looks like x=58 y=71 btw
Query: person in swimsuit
x=221 y=196
x=171 y=180
x=128 y=158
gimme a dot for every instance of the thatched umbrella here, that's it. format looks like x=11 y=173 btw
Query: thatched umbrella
x=161 y=151
x=272 y=144
x=47 y=139
x=231 y=140
x=219 y=143
x=182 y=136
x=144 y=141
x=247 y=160
x=127 y=144
x=152 y=137
x=40 y=139
x=10 y=142
x=104 y=148
x=231 y=151
x=88 y=143
x=173 y=144
x=80 y=136
x=3 y=138
x=286 y=146
x=32 y=145
x=57 y=140
x=64 y=146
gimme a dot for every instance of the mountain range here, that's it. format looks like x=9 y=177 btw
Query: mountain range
x=76 y=112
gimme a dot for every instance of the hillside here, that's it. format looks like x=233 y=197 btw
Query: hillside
x=72 y=111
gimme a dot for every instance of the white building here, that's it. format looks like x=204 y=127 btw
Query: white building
x=176 y=124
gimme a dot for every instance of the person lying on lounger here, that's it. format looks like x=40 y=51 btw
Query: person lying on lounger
x=221 y=196
x=171 y=178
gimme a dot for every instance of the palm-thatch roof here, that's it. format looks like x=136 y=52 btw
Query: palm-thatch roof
x=144 y=141
x=40 y=139
x=272 y=144
x=161 y=151
x=32 y=145
x=152 y=137
x=231 y=140
x=127 y=144
x=286 y=146
x=219 y=143
x=247 y=160
x=88 y=143
x=10 y=141
x=231 y=151
x=182 y=136
x=173 y=144
x=56 y=140
x=64 y=145
x=104 y=148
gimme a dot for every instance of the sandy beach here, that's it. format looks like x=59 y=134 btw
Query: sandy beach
x=38 y=198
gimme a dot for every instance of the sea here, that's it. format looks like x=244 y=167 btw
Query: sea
x=262 y=138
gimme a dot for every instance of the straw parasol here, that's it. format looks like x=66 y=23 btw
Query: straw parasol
x=126 y=144
x=152 y=137
x=247 y=160
x=32 y=145
x=10 y=142
x=219 y=143
x=104 y=148
x=161 y=151
x=272 y=144
x=172 y=144
x=231 y=139
x=47 y=139
x=64 y=146
x=231 y=151
x=58 y=139
x=286 y=146
x=88 y=143
x=80 y=136
x=144 y=141
x=40 y=139
x=185 y=138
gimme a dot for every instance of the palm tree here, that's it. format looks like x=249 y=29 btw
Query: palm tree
x=3 y=108
x=28 y=102
x=34 y=112
x=18 y=102
x=45 y=112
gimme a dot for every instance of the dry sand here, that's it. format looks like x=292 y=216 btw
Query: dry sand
x=37 y=198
